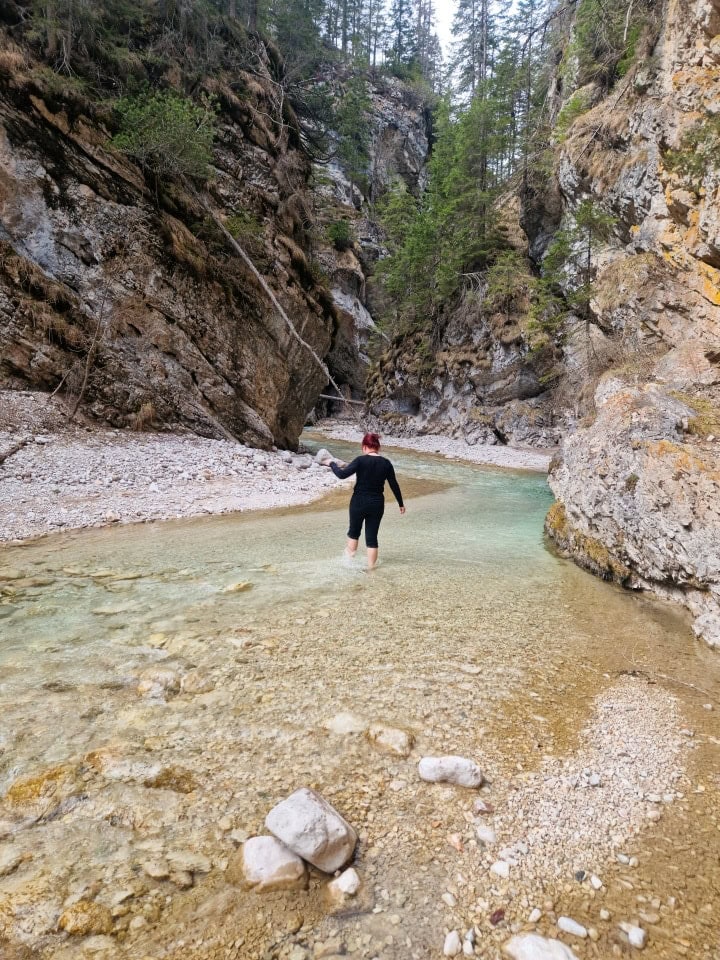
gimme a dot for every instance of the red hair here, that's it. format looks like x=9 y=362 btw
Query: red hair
x=371 y=441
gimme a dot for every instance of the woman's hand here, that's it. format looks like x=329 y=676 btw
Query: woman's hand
x=402 y=511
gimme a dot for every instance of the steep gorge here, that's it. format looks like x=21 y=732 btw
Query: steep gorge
x=631 y=389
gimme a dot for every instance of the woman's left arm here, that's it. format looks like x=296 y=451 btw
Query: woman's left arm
x=342 y=473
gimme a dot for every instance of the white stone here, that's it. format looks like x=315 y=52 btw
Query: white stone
x=267 y=864
x=484 y=833
x=346 y=885
x=448 y=899
x=312 y=829
x=595 y=882
x=501 y=868
x=636 y=935
x=391 y=739
x=535 y=915
x=457 y=770
x=453 y=945
x=531 y=946
x=343 y=723
x=604 y=914
x=568 y=925
x=594 y=780
x=468 y=949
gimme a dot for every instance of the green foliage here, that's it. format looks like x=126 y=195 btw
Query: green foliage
x=699 y=151
x=607 y=33
x=570 y=255
x=575 y=107
x=351 y=122
x=340 y=234
x=167 y=134
x=507 y=280
x=243 y=225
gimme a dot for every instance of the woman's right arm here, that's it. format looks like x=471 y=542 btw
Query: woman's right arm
x=342 y=473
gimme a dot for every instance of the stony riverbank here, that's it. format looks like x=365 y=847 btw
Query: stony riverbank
x=70 y=476
x=73 y=476
x=513 y=458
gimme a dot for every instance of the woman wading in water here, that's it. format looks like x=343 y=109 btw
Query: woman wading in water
x=367 y=504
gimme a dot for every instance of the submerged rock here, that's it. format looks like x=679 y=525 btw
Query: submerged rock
x=312 y=829
x=391 y=739
x=457 y=770
x=86 y=917
x=264 y=863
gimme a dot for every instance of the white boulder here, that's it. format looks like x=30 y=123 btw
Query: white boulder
x=453 y=945
x=531 y=946
x=457 y=770
x=312 y=829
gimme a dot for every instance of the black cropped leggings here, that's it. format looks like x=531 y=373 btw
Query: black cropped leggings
x=367 y=511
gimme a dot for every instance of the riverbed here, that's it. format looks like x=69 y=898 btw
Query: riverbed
x=163 y=686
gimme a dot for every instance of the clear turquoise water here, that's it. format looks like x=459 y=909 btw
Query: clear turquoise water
x=466 y=577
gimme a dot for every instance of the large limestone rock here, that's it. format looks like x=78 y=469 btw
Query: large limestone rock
x=639 y=496
x=264 y=863
x=312 y=829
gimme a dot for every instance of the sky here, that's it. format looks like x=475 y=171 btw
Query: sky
x=444 y=10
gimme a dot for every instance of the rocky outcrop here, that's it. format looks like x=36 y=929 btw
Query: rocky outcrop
x=639 y=497
x=638 y=488
x=130 y=295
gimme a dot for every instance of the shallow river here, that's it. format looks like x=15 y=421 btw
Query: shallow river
x=121 y=789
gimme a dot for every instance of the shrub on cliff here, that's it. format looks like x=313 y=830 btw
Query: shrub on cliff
x=167 y=134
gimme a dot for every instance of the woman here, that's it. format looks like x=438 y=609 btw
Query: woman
x=367 y=504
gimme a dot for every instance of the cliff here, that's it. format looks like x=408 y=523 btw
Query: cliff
x=638 y=483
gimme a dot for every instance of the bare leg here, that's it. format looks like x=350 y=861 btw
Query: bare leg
x=372 y=555
x=351 y=548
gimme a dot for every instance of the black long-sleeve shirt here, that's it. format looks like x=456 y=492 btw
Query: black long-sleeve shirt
x=372 y=472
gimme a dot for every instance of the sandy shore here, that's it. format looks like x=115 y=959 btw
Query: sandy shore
x=70 y=476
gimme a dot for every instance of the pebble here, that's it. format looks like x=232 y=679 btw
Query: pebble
x=485 y=834
x=157 y=869
x=535 y=915
x=501 y=868
x=458 y=770
x=453 y=945
x=636 y=935
x=391 y=739
x=449 y=899
x=604 y=914
x=344 y=723
x=313 y=829
x=595 y=882
x=346 y=885
x=568 y=925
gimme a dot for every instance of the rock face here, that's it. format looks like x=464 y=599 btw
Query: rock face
x=311 y=828
x=638 y=485
x=639 y=499
x=84 y=918
x=176 y=329
x=398 y=148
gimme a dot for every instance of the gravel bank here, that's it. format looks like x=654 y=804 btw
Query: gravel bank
x=514 y=458
x=73 y=476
